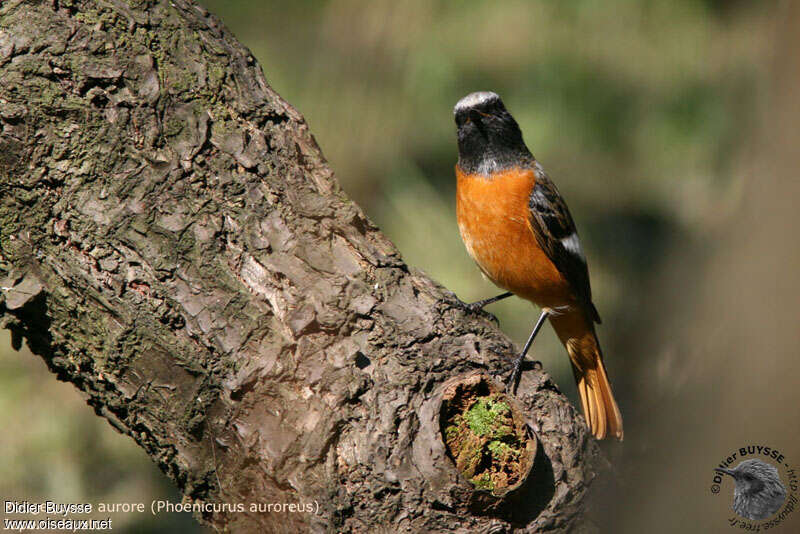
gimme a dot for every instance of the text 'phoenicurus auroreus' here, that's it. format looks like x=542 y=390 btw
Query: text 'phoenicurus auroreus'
x=517 y=228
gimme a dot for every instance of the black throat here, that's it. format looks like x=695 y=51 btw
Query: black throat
x=488 y=158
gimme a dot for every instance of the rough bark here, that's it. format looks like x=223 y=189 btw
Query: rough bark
x=173 y=243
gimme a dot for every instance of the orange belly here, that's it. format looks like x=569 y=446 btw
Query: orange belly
x=493 y=218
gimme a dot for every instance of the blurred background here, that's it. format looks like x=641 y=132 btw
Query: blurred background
x=671 y=127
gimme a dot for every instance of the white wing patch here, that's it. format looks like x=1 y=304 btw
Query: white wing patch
x=573 y=245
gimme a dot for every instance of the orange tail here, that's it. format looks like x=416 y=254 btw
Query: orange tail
x=599 y=407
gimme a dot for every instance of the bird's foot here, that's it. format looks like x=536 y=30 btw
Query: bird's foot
x=516 y=374
x=476 y=308
x=513 y=380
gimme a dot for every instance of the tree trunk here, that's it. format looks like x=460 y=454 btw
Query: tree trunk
x=173 y=243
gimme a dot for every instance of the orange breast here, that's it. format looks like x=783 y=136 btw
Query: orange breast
x=493 y=218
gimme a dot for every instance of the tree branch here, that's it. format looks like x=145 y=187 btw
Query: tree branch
x=173 y=243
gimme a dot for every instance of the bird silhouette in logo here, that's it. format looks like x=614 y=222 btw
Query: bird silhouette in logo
x=759 y=491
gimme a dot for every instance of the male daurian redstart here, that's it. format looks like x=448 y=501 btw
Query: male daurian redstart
x=517 y=228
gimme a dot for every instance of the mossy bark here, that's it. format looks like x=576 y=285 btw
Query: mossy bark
x=173 y=243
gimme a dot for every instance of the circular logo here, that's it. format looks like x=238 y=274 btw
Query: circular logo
x=761 y=484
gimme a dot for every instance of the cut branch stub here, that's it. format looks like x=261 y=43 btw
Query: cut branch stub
x=486 y=434
x=482 y=445
x=487 y=437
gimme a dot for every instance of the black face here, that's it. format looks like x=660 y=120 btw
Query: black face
x=489 y=139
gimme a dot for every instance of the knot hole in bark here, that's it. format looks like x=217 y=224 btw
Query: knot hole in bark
x=484 y=452
x=486 y=434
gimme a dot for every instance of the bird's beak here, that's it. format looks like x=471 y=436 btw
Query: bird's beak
x=723 y=470
x=475 y=115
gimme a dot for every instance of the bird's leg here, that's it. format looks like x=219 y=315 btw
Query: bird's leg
x=479 y=305
x=512 y=383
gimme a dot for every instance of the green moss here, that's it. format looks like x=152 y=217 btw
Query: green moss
x=173 y=127
x=482 y=417
x=451 y=431
x=9 y=225
x=93 y=16
x=216 y=75
x=499 y=449
x=184 y=81
x=484 y=440
x=484 y=481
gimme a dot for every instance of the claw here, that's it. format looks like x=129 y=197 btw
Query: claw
x=477 y=309
x=516 y=374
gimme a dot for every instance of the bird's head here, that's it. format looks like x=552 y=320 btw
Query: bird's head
x=489 y=139
x=752 y=476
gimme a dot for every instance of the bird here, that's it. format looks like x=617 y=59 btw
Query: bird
x=759 y=492
x=517 y=228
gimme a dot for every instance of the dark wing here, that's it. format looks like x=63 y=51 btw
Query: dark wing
x=555 y=232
